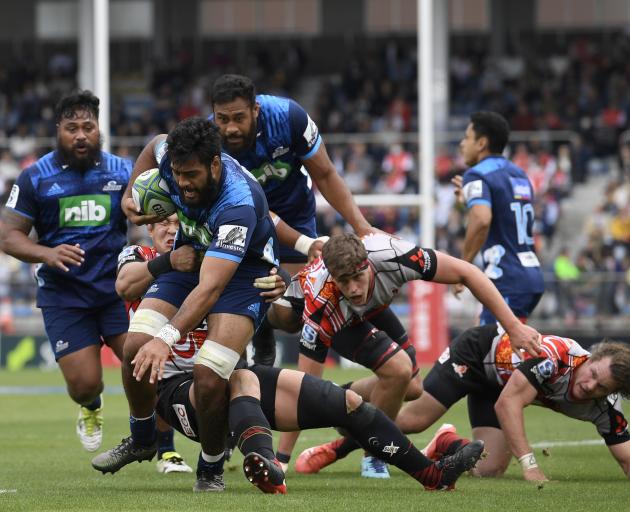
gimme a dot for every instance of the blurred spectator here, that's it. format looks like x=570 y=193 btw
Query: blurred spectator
x=566 y=273
x=396 y=166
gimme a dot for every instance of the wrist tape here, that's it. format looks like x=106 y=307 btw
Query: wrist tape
x=160 y=265
x=528 y=461
x=169 y=335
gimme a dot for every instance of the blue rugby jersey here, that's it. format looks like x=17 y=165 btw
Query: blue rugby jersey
x=285 y=137
x=508 y=253
x=70 y=207
x=236 y=226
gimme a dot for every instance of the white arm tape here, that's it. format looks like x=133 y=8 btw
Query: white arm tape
x=275 y=218
x=169 y=334
x=528 y=461
x=303 y=244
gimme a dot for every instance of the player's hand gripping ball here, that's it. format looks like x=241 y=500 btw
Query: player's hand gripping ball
x=151 y=194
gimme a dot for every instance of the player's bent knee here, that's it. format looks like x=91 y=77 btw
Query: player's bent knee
x=353 y=400
x=244 y=383
x=220 y=359
x=397 y=369
x=414 y=390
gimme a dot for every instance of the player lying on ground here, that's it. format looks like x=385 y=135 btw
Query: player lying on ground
x=481 y=366
x=340 y=297
x=264 y=399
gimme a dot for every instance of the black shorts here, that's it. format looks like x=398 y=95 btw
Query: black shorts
x=459 y=372
x=175 y=407
x=372 y=343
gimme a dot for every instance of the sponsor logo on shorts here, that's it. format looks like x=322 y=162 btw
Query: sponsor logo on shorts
x=309 y=336
x=232 y=237
x=61 y=345
x=84 y=211
x=444 y=356
x=112 y=186
x=460 y=369
x=13 y=196
x=373 y=441
x=390 y=449
x=254 y=308
x=182 y=416
x=154 y=288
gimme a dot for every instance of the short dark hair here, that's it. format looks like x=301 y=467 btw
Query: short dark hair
x=343 y=254
x=619 y=354
x=227 y=88
x=194 y=137
x=494 y=127
x=77 y=100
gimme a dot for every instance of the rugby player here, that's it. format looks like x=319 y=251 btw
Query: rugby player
x=138 y=266
x=481 y=365
x=500 y=200
x=72 y=198
x=280 y=144
x=338 y=297
x=223 y=214
x=268 y=398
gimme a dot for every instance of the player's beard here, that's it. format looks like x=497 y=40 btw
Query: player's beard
x=80 y=163
x=249 y=140
x=206 y=195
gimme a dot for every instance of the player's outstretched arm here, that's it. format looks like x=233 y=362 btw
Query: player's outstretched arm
x=145 y=161
x=516 y=395
x=453 y=270
x=621 y=453
x=335 y=191
x=15 y=242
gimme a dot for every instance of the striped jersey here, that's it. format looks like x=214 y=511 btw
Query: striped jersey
x=551 y=374
x=326 y=311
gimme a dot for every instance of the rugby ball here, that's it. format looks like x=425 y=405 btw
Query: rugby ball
x=151 y=194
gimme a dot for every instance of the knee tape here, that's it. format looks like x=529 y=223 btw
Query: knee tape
x=220 y=359
x=147 y=321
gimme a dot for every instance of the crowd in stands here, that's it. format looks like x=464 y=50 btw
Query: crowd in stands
x=581 y=86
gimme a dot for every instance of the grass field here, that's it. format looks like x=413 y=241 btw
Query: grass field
x=43 y=467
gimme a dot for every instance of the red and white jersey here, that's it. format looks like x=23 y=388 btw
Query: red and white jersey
x=326 y=311
x=184 y=351
x=551 y=373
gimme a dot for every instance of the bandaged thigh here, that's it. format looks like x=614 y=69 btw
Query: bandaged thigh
x=220 y=359
x=147 y=321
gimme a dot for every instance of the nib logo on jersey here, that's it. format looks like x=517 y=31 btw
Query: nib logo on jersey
x=83 y=211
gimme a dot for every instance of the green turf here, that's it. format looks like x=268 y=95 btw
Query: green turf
x=43 y=467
